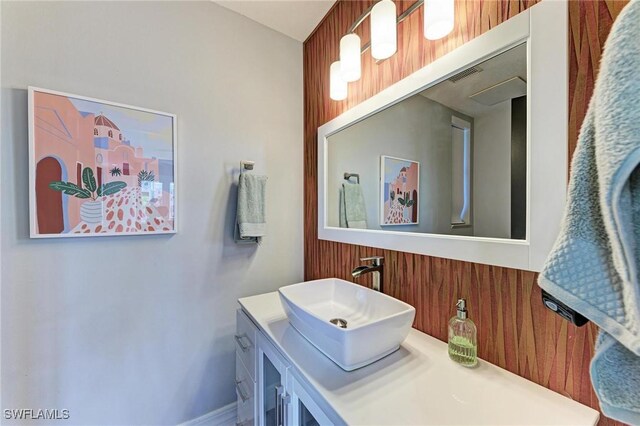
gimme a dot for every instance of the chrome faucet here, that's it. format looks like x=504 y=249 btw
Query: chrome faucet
x=375 y=268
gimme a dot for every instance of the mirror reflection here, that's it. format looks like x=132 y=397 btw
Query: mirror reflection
x=450 y=159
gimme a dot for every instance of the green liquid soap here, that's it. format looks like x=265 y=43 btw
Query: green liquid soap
x=463 y=351
x=463 y=337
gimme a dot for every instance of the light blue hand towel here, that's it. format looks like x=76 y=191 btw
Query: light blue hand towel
x=251 y=217
x=595 y=264
x=342 y=213
x=352 y=209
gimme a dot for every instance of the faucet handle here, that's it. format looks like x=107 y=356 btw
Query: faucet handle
x=375 y=260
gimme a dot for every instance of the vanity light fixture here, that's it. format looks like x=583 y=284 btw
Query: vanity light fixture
x=337 y=86
x=350 y=57
x=384 y=30
x=439 y=20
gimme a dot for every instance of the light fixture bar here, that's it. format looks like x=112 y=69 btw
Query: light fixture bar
x=350 y=66
x=361 y=18
x=402 y=17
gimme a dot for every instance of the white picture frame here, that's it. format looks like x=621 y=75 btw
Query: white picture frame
x=100 y=168
x=389 y=217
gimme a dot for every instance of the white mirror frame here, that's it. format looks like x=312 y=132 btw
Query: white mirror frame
x=544 y=27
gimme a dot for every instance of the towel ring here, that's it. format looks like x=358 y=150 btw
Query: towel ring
x=348 y=176
x=246 y=165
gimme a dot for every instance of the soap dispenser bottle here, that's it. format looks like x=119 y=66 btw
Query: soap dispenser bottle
x=463 y=337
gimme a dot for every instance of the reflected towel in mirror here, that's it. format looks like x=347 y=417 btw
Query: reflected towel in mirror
x=352 y=210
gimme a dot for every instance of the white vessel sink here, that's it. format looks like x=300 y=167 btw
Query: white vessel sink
x=376 y=324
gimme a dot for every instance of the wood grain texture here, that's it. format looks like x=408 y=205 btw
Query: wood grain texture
x=515 y=331
x=589 y=25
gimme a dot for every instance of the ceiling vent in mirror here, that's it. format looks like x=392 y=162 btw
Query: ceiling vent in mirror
x=508 y=89
x=464 y=74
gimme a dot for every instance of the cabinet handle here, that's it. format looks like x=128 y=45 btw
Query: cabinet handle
x=279 y=416
x=286 y=399
x=241 y=343
x=243 y=395
x=282 y=400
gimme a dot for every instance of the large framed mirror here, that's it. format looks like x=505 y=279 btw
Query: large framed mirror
x=464 y=159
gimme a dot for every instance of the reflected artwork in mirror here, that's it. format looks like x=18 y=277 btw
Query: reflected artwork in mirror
x=450 y=159
x=399 y=191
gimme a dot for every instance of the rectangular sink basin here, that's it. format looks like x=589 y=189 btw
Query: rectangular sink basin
x=375 y=324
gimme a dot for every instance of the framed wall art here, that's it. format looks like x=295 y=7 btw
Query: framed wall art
x=399 y=191
x=99 y=168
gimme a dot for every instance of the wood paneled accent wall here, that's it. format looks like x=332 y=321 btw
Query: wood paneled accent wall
x=515 y=331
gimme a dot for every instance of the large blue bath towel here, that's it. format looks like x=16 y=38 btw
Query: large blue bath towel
x=595 y=263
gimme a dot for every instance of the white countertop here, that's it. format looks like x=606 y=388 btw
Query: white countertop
x=416 y=385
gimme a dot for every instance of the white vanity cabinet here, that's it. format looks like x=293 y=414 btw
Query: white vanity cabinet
x=296 y=384
x=275 y=396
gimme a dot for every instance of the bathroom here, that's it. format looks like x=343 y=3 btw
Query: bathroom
x=139 y=329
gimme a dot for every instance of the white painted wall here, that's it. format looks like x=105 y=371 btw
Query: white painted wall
x=416 y=129
x=492 y=172
x=138 y=330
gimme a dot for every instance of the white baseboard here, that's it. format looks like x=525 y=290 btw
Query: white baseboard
x=224 y=416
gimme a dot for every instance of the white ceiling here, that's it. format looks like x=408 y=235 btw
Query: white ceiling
x=294 y=18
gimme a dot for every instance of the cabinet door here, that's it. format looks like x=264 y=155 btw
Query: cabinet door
x=304 y=410
x=274 y=408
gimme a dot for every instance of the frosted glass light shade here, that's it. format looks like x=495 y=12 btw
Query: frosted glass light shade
x=350 y=62
x=337 y=86
x=384 y=34
x=438 y=18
